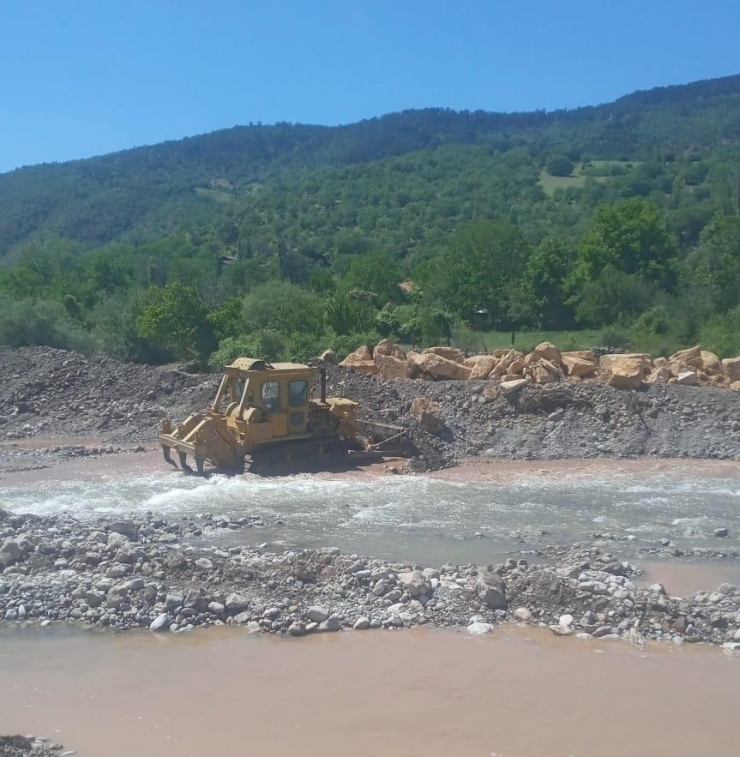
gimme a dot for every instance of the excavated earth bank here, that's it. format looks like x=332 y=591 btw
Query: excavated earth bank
x=53 y=397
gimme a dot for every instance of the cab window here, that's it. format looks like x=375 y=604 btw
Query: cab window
x=271 y=396
x=298 y=393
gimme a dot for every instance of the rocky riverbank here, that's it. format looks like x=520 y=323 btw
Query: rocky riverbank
x=30 y=746
x=167 y=576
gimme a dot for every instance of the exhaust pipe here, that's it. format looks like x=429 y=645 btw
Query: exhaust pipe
x=322 y=373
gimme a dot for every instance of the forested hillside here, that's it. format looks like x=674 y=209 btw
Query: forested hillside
x=280 y=240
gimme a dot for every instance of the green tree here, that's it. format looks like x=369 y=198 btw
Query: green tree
x=545 y=284
x=629 y=236
x=283 y=307
x=613 y=296
x=715 y=266
x=559 y=165
x=378 y=273
x=349 y=312
x=265 y=344
x=28 y=322
x=176 y=319
x=228 y=320
x=477 y=270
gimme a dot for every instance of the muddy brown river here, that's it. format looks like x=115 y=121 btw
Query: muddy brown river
x=397 y=694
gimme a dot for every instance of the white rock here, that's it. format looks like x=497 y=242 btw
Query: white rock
x=523 y=614
x=479 y=629
x=509 y=387
x=566 y=621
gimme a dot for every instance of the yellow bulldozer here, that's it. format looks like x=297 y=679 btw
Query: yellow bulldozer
x=264 y=414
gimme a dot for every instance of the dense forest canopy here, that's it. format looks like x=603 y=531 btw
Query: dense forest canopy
x=281 y=240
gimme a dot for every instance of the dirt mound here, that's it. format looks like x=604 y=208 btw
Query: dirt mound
x=55 y=393
x=558 y=420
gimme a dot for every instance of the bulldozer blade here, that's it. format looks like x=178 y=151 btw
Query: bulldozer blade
x=167 y=452
x=184 y=462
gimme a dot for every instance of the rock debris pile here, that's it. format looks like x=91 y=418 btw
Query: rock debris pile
x=152 y=573
x=545 y=365
x=450 y=420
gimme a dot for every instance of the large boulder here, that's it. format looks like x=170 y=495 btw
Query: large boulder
x=548 y=351
x=439 y=367
x=516 y=367
x=659 y=375
x=732 y=368
x=578 y=364
x=687 y=378
x=386 y=347
x=710 y=363
x=491 y=591
x=361 y=360
x=624 y=371
x=509 y=387
x=449 y=353
x=10 y=553
x=391 y=367
x=361 y=354
x=415 y=583
x=428 y=414
x=481 y=366
x=690 y=357
x=502 y=367
x=542 y=374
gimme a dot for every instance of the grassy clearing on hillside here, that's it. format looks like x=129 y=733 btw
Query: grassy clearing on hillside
x=551 y=183
x=598 y=170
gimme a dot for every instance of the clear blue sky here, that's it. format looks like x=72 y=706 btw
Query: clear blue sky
x=85 y=77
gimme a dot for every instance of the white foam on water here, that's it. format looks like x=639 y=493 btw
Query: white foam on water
x=368 y=512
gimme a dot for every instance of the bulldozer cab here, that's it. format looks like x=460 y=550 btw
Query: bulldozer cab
x=273 y=399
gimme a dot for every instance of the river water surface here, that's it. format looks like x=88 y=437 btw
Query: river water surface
x=475 y=513
x=519 y=693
